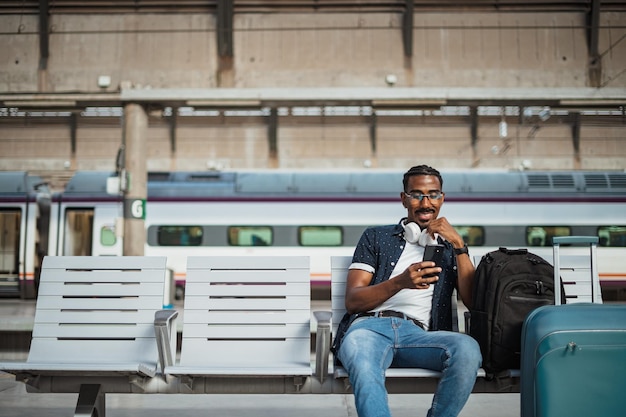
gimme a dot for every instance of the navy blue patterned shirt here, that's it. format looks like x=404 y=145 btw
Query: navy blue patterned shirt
x=381 y=247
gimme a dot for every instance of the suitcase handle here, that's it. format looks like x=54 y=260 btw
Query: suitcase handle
x=568 y=240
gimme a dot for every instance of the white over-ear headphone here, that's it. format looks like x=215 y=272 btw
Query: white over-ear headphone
x=412 y=232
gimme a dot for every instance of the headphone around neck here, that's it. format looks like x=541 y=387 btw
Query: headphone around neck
x=412 y=232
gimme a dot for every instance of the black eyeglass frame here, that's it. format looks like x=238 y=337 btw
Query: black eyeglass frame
x=433 y=195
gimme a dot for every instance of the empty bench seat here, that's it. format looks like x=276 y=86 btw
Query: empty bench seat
x=93 y=331
x=246 y=325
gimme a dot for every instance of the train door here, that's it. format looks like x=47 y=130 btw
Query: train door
x=10 y=223
x=91 y=231
x=24 y=218
x=107 y=239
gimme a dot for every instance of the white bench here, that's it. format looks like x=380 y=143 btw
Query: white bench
x=93 y=331
x=247 y=327
x=99 y=328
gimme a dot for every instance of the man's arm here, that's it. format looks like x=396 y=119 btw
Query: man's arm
x=465 y=278
x=361 y=297
x=465 y=266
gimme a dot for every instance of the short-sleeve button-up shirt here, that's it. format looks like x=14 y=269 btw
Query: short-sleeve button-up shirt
x=381 y=246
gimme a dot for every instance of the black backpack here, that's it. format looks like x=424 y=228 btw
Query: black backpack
x=508 y=284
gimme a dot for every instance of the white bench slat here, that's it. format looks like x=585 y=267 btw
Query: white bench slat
x=274 y=278
x=77 y=370
x=80 y=316
x=578 y=292
x=269 y=277
x=575 y=277
x=246 y=355
x=260 y=263
x=286 y=369
x=296 y=317
x=251 y=290
x=148 y=302
x=101 y=290
x=52 y=350
x=105 y=262
x=94 y=331
x=114 y=275
x=247 y=331
x=580 y=261
x=577 y=289
x=226 y=304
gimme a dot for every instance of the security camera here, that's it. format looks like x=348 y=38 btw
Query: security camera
x=528 y=112
x=104 y=81
x=544 y=114
x=526 y=164
x=391 y=79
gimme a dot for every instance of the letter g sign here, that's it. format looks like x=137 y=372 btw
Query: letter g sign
x=134 y=209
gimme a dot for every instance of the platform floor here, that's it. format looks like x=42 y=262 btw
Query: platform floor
x=18 y=315
x=16 y=402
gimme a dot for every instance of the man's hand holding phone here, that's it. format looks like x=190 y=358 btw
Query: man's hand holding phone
x=433 y=253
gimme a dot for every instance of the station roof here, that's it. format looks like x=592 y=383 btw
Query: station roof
x=377 y=97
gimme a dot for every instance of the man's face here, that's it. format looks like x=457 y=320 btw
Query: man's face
x=422 y=212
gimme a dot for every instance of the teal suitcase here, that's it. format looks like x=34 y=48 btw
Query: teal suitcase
x=573 y=361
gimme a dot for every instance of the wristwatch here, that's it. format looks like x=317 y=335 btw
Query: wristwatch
x=460 y=251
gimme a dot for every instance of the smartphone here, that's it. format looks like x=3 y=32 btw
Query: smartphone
x=433 y=253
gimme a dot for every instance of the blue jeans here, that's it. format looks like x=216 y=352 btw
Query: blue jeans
x=373 y=344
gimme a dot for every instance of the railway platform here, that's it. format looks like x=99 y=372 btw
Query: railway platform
x=15 y=402
x=16 y=320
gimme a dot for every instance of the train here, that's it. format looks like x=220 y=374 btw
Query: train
x=298 y=212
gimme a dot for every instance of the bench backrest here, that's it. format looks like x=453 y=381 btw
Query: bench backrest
x=578 y=268
x=97 y=309
x=338 y=274
x=246 y=313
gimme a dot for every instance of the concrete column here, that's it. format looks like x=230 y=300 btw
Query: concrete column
x=135 y=133
x=272 y=138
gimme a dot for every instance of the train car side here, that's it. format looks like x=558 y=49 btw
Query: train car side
x=323 y=214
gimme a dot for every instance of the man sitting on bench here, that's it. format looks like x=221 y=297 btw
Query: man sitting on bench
x=400 y=315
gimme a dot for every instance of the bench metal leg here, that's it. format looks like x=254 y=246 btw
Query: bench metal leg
x=90 y=401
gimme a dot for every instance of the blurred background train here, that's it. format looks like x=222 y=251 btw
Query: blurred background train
x=318 y=214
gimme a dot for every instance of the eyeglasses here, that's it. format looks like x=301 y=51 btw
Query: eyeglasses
x=433 y=195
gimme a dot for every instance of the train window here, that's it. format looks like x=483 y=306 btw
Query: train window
x=107 y=236
x=472 y=235
x=612 y=236
x=542 y=235
x=320 y=236
x=250 y=236
x=179 y=235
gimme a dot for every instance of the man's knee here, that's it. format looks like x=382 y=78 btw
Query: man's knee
x=467 y=351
